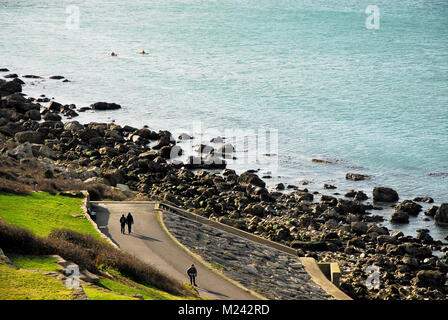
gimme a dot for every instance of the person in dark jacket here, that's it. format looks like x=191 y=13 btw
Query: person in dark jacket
x=123 y=223
x=129 y=221
x=192 y=273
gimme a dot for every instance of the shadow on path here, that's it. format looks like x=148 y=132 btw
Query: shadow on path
x=140 y=236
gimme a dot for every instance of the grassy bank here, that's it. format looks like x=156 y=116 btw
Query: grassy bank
x=40 y=224
x=42 y=212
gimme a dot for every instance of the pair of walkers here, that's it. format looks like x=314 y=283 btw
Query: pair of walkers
x=129 y=220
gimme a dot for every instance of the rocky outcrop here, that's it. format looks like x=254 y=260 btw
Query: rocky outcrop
x=441 y=216
x=384 y=194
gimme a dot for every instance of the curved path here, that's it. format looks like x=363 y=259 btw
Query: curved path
x=152 y=245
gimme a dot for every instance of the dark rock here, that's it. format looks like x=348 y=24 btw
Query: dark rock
x=56 y=77
x=424 y=199
x=431 y=211
x=52 y=116
x=105 y=106
x=31 y=76
x=329 y=186
x=441 y=216
x=10 y=87
x=279 y=186
x=430 y=278
x=309 y=245
x=409 y=207
x=356 y=176
x=11 y=76
x=184 y=136
x=29 y=136
x=73 y=126
x=55 y=107
x=358 y=227
x=399 y=217
x=247 y=178
x=217 y=140
x=33 y=115
x=383 y=194
x=4 y=70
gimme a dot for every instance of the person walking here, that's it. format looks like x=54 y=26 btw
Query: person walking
x=123 y=223
x=129 y=221
x=192 y=273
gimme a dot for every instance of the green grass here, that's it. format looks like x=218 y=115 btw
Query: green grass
x=30 y=262
x=126 y=286
x=97 y=294
x=27 y=285
x=41 y=212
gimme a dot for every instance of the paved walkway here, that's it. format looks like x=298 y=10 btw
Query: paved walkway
x=151 y=244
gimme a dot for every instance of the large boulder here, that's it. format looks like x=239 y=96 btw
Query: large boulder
x=383 y=194
x=73 y=126
x=105 y=106
x=441 y=215
x=29 y=136
x=399 y=217
x=410 y=207
x=430 y=278
x=10 y=87
x=247 y=178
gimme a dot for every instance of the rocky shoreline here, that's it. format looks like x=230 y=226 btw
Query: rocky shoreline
x=332 y=229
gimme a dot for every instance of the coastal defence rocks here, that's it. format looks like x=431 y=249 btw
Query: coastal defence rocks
x=384 y=194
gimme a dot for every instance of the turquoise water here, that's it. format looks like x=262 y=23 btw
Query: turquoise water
x=375 y=100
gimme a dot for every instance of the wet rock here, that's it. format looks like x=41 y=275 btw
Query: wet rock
x=73 y=126
x=105 y=106
x=247 y=178
x=184 y=136
x=217 y=140
x=424 y=199
x=424 y=236
x=279 y=186
x=11 y=76
x=32 y=76
x=399 y=217
x=431 y=211
x=329 y=186
x=356 y=176
x=10 y=87
x=56 y=77
x=52 y=116
x=409 y=207
x=415 y=250
x=384 y=194
x=430 y=278
x=441 y=216
x=358 y=227
x=29 y=136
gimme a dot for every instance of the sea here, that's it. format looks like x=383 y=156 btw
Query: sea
x=361 y=85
